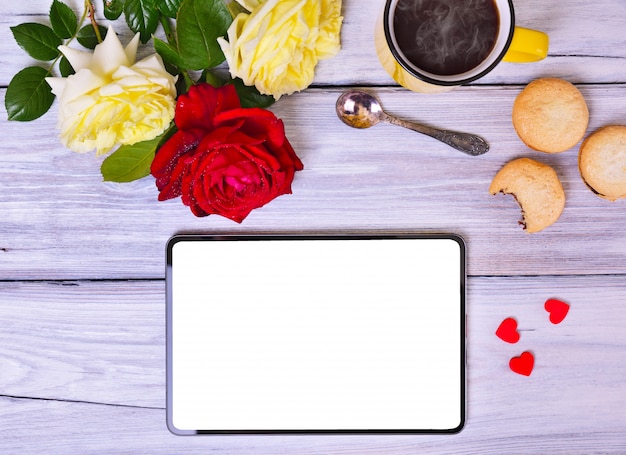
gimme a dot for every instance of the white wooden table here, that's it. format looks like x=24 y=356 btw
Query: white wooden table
x=82 y=304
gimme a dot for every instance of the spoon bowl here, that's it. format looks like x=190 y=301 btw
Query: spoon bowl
x=360 y=109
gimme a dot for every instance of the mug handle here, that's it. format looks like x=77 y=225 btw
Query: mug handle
x=527 y=46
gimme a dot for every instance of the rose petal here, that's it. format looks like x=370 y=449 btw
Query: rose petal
x=250 y=5
x=131 y=48
x=109 y=55
x=83 y=82
x=258 y=122
x=277 y=47
x=179 y=144
x=224 y=159
x=198 y=107
x=109 y=101
x=78 y=59
x=57 y=84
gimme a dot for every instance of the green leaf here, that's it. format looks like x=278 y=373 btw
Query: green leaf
x=199 y=24
x=235 y=9
x=38 y=40
x=168 y=52
x=142 y=17
x=250 y=96
x=87 y=36
x=132 y=162
x=65 y=67
x=169 y=8
x=183 y=84
x=113 y=9
x=210 y=77
x=63 y=20
x=28 y=96
x=129 y=162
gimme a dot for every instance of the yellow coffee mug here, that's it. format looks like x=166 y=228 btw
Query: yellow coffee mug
x=402 y=21
x=527 y=46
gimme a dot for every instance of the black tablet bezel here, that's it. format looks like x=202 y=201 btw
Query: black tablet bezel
x=288 y=237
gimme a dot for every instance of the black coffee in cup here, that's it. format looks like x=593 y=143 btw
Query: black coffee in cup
x=446 y=37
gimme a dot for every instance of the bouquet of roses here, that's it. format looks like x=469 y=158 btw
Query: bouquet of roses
x=204 y=137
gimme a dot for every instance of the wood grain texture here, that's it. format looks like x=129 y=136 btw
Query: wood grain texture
x=84 y=341
x=586 y=42
x=57 y=209
x=97 y=376
x=82 y=311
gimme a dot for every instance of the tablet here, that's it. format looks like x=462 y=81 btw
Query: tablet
x=315 y=334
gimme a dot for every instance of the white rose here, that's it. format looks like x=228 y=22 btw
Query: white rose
x=112 y=100
x=278 y=45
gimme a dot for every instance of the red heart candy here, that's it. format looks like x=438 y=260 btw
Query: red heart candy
x=522 y=364
x=557 y=309
x=507 y=331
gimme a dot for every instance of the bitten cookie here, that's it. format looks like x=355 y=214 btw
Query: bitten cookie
x=602 y=162
x=550 y=115
x=537 y=189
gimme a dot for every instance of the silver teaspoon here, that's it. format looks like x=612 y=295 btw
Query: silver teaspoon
x=360 y=109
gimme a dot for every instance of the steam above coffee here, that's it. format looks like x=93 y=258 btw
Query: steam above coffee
x=446 y=37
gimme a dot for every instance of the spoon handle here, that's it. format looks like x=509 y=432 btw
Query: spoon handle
x=464 y=142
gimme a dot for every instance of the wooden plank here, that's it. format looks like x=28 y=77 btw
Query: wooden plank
x=60 y=221
x=87 y=360
x=82 y=362
x=97 y=342
x=35 y=427
x=586 y=43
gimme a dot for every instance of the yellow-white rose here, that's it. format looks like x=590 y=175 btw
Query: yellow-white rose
x=277 y=46
x=112 y=100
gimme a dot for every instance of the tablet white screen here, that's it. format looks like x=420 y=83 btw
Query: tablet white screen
x=315 y=334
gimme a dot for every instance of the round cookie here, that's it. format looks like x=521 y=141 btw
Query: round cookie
x=602 y=162
x=550 y=115
x=537 y=189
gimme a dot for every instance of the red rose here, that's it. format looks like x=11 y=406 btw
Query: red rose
x=224 y=159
